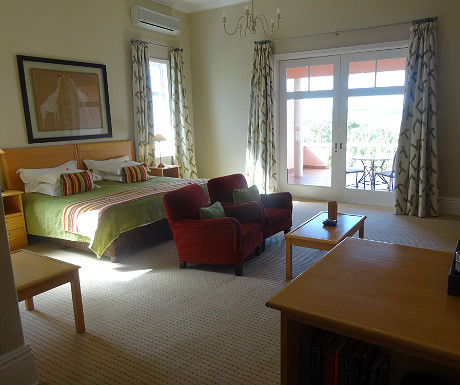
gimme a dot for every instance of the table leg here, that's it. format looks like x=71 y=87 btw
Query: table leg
x=288 y=259
x=361 y=232
x=77 y=303
x=372 y=176
x=30 y=303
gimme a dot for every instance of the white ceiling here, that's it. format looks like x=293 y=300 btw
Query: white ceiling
x=189 y=6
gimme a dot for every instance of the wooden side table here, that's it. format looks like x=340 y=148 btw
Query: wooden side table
x=14 y=219
x=34 y=274
x=171 y=171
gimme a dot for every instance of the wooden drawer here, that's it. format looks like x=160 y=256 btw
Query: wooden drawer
x=17 y=243
x=17 y=238
x=14 y=221
x=19 y=232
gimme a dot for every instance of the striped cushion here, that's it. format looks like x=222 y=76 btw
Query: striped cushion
x=78 y=182
x=132 y=174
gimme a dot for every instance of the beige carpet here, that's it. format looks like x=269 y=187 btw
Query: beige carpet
x=149 y=322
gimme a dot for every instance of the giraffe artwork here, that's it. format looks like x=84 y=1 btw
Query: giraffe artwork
x=66 y=100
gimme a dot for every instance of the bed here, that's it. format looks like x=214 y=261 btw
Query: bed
x=118 y=229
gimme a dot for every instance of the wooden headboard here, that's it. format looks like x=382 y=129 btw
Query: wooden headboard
x=53 y=156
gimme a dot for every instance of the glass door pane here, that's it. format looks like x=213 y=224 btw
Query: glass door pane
x=339 y=121
x=309 y=141
x=372 y=138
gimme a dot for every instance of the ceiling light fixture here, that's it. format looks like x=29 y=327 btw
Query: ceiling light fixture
x=248 y=22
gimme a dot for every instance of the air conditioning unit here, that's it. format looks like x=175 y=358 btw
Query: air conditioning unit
x=143 y=17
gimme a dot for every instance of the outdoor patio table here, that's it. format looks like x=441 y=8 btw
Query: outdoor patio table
x=370 y=164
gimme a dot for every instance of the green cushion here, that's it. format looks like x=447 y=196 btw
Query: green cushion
x=246 y=194
x=212 y=212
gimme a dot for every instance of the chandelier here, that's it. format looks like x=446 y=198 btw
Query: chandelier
x=248 y=22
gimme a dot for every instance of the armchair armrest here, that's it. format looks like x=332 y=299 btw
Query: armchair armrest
x=280 y=200
x=246 y=212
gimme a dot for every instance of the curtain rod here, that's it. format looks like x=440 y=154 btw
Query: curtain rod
x=159 y=45
x=345 y=30
x=427 y=20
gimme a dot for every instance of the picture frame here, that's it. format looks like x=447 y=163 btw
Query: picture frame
x=64 y=100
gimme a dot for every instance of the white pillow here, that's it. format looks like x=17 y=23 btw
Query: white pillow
x=29 y=174
x=96 y=164
x=52 y=176
x=116 y=168
x=48 y=183
x=96 y=177
x=53 y=190
x=112 y=178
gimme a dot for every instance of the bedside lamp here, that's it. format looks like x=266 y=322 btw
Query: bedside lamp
x=159 y=138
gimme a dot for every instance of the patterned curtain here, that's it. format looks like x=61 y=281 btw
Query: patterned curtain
x=416 y=176
x=185 y=151
x=142 y=100
x=260 y=154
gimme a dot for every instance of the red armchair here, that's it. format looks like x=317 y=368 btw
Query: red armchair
x=221 y=241
x=278 y=206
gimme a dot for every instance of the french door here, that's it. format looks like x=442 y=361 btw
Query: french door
x=339 y=118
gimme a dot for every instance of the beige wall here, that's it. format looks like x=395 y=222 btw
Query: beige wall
x=221 y=67
x=100 y=32
x=82 y=30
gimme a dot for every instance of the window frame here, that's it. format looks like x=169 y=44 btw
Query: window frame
x=279 y=59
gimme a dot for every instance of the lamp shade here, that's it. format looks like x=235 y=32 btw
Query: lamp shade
x=159 y=138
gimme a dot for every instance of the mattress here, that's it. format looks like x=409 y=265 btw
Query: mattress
x=44 y=214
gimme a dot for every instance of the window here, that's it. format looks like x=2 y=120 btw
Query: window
x=340 y=111
x=160 y=85
x=374 y=110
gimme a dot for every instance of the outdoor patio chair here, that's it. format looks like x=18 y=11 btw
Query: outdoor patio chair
x=388 y=176
x=356 y=171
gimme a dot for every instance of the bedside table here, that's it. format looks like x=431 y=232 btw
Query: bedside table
x=14 y=219
x=171 y=171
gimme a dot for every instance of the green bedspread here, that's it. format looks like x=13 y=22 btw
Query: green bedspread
x=43 y=214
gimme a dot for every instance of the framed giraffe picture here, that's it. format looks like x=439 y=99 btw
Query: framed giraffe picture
x=64 y=100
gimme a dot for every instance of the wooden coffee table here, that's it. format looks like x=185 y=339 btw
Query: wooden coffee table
x=34 y=274
x=314 y=235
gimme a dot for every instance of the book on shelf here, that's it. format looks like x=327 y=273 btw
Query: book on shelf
x=306 y=340
x=327 y=358
x=344 y=361
x=378 y=374
x=354 y=363
x=365 y=364
x=332 y=360
x=318 y=353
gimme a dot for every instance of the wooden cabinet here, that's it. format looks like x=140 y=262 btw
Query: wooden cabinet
x=171 y=171
x=14 y=219
x=391 y=296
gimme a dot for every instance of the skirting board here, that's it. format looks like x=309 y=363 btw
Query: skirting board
x=18 y=367
x=449 y=206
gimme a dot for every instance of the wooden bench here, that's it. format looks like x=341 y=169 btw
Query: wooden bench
x=34 y=274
